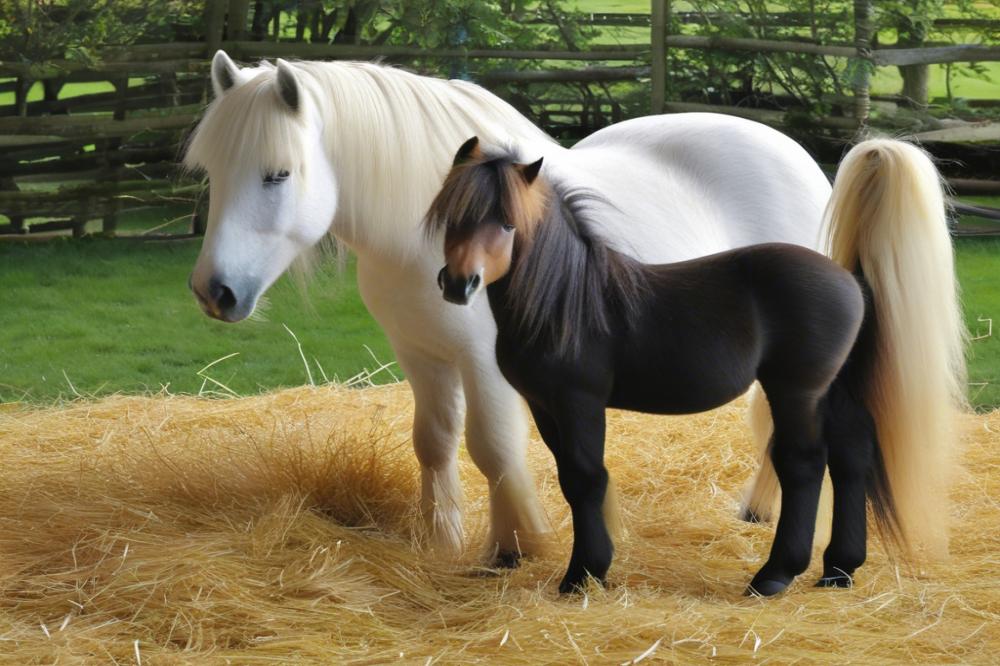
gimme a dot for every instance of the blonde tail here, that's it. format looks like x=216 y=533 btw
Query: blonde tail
x=761 y=495
x=886 y=217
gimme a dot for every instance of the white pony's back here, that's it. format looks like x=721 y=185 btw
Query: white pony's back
x=720 y=182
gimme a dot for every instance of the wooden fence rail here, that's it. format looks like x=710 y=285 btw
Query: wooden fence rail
x=771 y=19
x=137 y=131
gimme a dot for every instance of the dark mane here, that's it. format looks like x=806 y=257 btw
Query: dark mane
x=565 y=280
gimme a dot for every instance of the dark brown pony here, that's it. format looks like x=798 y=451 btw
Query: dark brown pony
x=582 y=327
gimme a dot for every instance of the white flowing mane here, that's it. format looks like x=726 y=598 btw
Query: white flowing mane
x=390 y=135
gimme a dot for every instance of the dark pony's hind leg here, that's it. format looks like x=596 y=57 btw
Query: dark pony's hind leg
x=849 y=432
x=575 y=434
x=799 y=457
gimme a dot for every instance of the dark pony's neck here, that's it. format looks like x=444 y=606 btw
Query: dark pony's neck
x=566 y=283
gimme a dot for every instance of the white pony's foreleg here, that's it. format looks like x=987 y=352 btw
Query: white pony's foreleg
x=496 y=433
x=439 y=409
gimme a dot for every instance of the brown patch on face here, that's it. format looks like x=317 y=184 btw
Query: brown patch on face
x=487 y=248
x=524 y=203
x=486 y=205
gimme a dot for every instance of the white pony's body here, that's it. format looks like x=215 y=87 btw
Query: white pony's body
x=685 y=185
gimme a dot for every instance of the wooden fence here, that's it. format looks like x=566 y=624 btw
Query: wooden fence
x=123 y=145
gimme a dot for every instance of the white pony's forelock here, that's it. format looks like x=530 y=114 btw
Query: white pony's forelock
x=248 y=125
x=390 y=135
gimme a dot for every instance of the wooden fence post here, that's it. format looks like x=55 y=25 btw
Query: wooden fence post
x=863 y=45
x=21 y=88
x=109 y=223
x=658 y=43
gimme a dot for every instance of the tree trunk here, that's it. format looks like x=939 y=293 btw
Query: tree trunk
x=658 y=33
x=258 y=29
x=916 y=78
x=328 y=23
x=349 y=33
x=215 y=16
x=863 y=45
x=52 y=88
x=236 y=29
x=21 y=89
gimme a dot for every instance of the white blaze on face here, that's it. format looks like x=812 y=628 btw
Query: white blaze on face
x=260 y=221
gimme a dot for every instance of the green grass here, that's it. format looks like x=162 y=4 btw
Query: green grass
x=981 y=223
x=116 y=316
x=36 y=92
x=978 y=269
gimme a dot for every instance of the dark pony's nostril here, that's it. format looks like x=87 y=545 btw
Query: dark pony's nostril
x=442 y=274
x=474 y=282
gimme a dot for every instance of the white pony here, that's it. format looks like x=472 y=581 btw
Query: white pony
x=300 y=150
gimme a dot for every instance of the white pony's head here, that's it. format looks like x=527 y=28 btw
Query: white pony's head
x=272 y=187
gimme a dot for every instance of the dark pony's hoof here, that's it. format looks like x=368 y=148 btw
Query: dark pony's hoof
x=578 y=584
x=837 y=580
x=766 y=588
x=507 y=559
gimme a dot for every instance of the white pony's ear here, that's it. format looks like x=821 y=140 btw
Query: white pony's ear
x=225 y=73
x=288 y=85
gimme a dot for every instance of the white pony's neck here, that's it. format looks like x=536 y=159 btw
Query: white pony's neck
x=391 y=136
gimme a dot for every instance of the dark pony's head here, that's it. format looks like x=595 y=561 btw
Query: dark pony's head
x=500 y=217
x=486 y=202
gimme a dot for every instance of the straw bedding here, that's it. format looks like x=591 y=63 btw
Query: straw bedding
x=280 y=528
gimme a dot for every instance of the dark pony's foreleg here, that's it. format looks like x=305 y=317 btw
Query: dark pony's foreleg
x=849 y=432
x=799 y=457
x=574 y=432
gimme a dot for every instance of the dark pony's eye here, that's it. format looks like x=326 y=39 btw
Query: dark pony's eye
x=507 y=227
x=275 y=178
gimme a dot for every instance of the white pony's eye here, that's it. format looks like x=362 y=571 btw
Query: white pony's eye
x=275 y=178
x=508 y=227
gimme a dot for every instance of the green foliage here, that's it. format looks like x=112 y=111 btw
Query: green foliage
x=41 y=30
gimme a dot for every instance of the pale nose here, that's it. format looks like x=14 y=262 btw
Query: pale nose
x=217 y=299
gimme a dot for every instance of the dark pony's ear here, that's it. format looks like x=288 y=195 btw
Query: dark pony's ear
x=530 y=171
x=468 y=150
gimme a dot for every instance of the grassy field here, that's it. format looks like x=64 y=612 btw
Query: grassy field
x=98 y=316
x=978 y=272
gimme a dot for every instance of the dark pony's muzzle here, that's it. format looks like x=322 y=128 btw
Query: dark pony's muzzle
x=458 y=290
